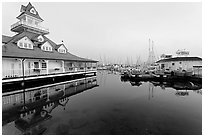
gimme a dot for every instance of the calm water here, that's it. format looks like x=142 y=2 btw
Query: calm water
x=103 y=105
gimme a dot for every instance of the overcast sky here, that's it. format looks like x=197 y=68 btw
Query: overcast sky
x=117 y=31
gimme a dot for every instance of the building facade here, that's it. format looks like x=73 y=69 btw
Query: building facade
x=182 y=63
x=31 y=53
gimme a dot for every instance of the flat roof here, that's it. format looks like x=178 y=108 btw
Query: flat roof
x=180 y=59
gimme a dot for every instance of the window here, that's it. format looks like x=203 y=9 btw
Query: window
x=47 y=48
x=40 y=40
x=33 y=11
x=29 y=46
x=173 y=64
x=21 y=44
x=36 y=65
x=30 y=21
x=44 y=65
x=162 y=66
x=25 y=45
x=180 y=62
x=62 y=51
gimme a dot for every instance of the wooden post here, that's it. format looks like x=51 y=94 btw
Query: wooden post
x=47 y=61
x=23 y=83
x=85 y=67
x=23 y=69
x=62 y=66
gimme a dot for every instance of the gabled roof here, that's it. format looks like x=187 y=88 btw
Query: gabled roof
x=26 y=10
x=35 y=38
x=180 y=59
x=6 y=39
x=18 y=36
x=11 y=50
x=59 y=45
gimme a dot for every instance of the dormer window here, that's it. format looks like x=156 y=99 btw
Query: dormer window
x=25 y=42
x=46 y=47
x=32 y=11
x=62 y=49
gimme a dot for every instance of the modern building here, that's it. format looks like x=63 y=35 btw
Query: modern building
x=31 y=54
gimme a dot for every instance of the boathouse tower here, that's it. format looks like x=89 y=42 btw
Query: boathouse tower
x=29 y=20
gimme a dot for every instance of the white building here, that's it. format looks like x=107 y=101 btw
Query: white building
x=31 y=53
x=182 y=63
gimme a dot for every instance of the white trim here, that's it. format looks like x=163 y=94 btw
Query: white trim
x=18 y=43
x=47 y=76
x=40 y=37
x=31 y=17
x=47 y=44
x=33 y=11
x=66 y=50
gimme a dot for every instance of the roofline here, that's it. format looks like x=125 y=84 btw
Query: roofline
x=180 y=59
x=40 y=19
x=49 y=59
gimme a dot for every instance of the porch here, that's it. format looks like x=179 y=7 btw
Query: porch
x=17 y=68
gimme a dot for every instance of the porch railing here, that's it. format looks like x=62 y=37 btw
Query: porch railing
x=38 y=27
x=36 y=72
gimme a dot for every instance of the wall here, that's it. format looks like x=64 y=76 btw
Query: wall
x=11 y=67
x=31 y=71
x=25 y=40
x=54 y=64
x=184 y=65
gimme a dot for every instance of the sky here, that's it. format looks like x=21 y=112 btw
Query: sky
x=117 y=32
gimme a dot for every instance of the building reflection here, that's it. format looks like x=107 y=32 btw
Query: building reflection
x=182 y=88
x=31 y=108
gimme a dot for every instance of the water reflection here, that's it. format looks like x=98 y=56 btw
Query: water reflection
x=30 y=109
x=182 y=88
x=114 y=107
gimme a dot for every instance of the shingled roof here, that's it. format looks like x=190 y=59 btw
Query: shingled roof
x=6 y=39
x=11 y=50
x=26 y=10
x=180 y=59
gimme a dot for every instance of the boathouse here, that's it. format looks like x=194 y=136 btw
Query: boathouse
x=182 y=63
x=30 y=54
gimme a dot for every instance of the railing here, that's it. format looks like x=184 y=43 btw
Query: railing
x=29 y=25
x=11 y=73
x=36 y=72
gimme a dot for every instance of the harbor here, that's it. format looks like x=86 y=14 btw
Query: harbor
x=101 y=68
x=87 y=109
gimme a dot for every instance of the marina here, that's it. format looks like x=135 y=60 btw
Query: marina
x=114 y=71
x=94 y=106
